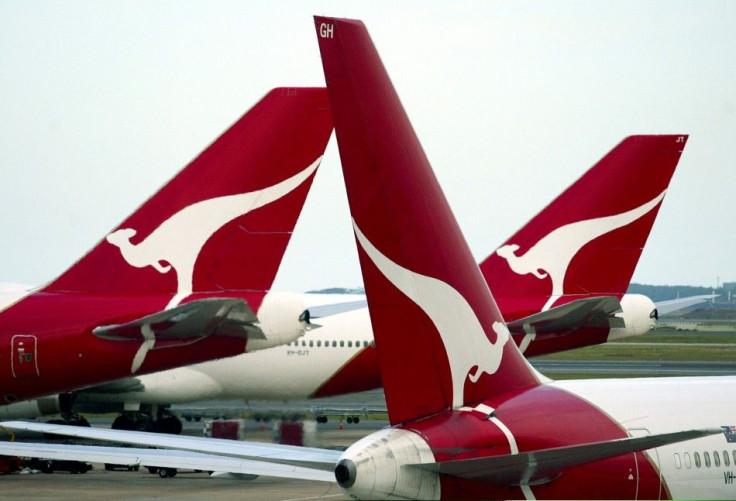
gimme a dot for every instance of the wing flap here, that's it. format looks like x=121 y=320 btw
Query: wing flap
x=583 y=313
x=536 y=466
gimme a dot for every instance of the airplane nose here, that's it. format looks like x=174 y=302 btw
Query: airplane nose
x=345 y=473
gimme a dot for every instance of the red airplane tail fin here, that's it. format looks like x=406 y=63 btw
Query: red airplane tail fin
x=222 y=224
x=589 y=239
x=442 y=342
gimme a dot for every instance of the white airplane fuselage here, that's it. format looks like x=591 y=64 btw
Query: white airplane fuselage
x=337 y=358
x=704 y=468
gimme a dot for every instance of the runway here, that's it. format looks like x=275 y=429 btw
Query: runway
x=101 y=484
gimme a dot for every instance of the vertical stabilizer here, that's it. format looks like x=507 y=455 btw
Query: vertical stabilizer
x=589 y=239
x=223 y=223
x=441 y=339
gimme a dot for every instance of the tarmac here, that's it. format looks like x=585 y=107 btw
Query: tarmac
x=141 y=485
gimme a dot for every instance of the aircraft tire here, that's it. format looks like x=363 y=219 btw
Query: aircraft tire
x=169 y=424
x=123 y=422
x=166 y=472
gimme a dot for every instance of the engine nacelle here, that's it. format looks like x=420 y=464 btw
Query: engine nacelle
x=373 y=467
x=639 y=314
x=43 y=406
x=282 y=319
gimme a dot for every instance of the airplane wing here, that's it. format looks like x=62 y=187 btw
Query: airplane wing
x=163 y=458
x=125 y=385
x=308 y=457
x=327 y=310
x=664 y=307
x=589 y=312
x=192 y=320
x=530 y=466
x=326 y=305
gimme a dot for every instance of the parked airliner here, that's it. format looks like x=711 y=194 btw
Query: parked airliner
x=627 y=186
x=469 y=417
x=186 y=277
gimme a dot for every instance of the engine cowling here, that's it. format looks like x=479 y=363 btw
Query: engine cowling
x=639 y=314
x=282 y=319
x=43 y=406
x=373 y=467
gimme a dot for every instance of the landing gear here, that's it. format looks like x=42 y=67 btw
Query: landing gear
x=143 y=421
x=68 y=415
x=70 y=420
x=124 y=422
x=349 y=419
x=169 y=424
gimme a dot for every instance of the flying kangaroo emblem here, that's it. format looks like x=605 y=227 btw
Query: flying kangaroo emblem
x=451 y=314
x=177 y=242
x=551 y=255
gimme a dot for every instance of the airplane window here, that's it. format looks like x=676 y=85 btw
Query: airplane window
x=319 y=343
x=311 y=343
x=334 y=344
x=678 y=463
x=726 y=459
x=706 y=459
x=696 y=458
x=734 y=457
x=373 y=345
x=350 y=344
x=304 y=343
x=716 y=459
x=688 y=464
x=365 y=344
x=342 y=344
x=357 y=344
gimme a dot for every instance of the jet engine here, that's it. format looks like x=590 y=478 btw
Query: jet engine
x=639 y=314
x=44 y=406
x=282 y=317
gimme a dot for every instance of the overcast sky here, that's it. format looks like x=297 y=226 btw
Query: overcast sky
x=102 y=102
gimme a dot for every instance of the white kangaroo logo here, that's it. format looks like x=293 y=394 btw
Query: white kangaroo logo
x=179 y=240
x=552 y=254
x=451 y=314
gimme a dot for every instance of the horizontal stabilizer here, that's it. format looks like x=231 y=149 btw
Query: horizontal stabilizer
x=537 y=466
x=583 y=313
x=162 y=458
x=196 y=319
x=321 y=459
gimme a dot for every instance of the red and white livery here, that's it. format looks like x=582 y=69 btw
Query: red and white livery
x=186 y=277
x=469 y=417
